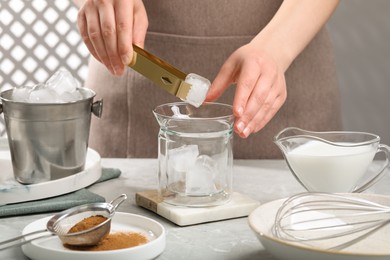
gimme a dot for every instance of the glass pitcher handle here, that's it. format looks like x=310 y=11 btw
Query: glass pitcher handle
x=381 y=148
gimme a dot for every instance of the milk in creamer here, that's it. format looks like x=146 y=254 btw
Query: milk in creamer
x=330 y=168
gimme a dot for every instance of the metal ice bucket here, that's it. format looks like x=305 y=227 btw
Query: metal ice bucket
x=48 y=141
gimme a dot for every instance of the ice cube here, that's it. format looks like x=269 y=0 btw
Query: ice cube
x=198 y=91
x=41 y=94
x=70 y=96
x=178 y=114
x=21 y=94
x=62 y=81
x=182 y=158
x=200 y=177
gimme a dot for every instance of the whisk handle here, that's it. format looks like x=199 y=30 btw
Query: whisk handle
x=10 y=242
x=386 y=150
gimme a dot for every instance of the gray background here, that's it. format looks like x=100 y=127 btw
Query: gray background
x=361 y=33
x=359 y=28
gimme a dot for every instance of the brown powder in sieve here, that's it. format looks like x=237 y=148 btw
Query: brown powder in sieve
x=87 y=223
x=113 y=241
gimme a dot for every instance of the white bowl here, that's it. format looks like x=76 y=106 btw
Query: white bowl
x=373 y=247
x=52 y=248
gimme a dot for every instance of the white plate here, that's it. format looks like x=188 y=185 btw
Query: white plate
x=52 y=248
x=12 y=191
x=374 y=247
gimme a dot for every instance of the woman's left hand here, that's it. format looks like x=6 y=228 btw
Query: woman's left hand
x=260 y=87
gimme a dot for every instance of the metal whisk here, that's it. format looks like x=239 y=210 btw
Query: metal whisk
x=342 y=219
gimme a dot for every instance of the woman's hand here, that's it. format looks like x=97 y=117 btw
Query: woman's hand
x=258 y=68
x=260 y=87
x=110 y=27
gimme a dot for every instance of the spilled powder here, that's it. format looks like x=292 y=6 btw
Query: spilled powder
x=114 y=241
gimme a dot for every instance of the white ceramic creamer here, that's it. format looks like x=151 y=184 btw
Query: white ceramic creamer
x=332 y=161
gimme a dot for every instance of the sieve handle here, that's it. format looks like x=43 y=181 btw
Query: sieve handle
x=116 y=202
x=11 y=242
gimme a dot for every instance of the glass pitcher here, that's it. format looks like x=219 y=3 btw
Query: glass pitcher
x=195 y=153
x=332 y=161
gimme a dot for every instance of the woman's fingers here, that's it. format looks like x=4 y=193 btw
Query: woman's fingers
x=140 y=23
x=246 y=85
x=110 y=27
x=95 y=33
x=124 y=24
x=109 y=35
x=268 y=108
x=82 y=24
x=258 y=92
x=221 y=82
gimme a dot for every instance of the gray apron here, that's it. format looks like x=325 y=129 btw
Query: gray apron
x=198 y=36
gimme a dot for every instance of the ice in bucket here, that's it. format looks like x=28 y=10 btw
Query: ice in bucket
x=59 y=88
x=48 y=127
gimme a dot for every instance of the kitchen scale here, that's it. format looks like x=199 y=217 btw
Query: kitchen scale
x=12 y=191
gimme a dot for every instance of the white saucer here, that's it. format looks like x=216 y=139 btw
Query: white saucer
x=374 y=247
x=52 y=248
x=12 y=191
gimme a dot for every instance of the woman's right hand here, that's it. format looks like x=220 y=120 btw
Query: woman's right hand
x=110 y=27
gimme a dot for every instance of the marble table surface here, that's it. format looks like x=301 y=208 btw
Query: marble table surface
x=263 y=180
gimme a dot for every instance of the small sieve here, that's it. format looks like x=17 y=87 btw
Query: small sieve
x=61 y=223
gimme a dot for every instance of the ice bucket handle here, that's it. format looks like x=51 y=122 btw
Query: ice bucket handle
x=97 y=108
